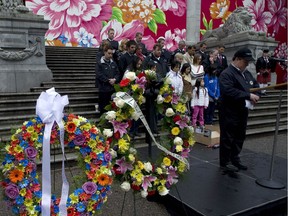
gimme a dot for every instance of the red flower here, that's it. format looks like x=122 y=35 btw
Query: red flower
x=124 y=82
x=135 y=187
x=186 y=144
x=115 y=169
x=176 y=118
x=109 y=140
x=71 y=127
x=117 y=135
x=151 y=193
x=142 y=74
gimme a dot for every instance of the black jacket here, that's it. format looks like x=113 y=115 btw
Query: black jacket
x=104 y=72
x=124 y=61
x=161 y=65
x=235 y=89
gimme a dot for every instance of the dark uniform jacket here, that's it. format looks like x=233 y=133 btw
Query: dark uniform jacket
x=222 y=63
x=105 y=71
x=235 y=89
x=161 y=65
x=124 y=61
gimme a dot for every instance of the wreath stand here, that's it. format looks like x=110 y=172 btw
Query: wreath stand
x=270 y=183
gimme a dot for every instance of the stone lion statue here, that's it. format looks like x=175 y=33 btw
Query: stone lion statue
x=238 y=21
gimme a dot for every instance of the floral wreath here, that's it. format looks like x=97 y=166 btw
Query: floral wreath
x=21 y=184
x=146 y=177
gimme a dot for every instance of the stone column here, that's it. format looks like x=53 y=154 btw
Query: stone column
x=193 y=21
x=22 y=49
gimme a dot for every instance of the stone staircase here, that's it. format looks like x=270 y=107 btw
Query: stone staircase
x=74 y=75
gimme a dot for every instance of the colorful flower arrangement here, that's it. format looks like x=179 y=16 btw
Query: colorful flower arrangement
x=22 y=189
x=147 y=178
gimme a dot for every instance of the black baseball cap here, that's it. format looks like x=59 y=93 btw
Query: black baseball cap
x=244 y=53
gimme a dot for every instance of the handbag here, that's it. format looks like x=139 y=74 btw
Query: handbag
x=196 y=75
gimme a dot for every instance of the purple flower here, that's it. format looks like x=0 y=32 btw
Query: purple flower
x=12 y=191
x=147 y=181
x=141 y=82
x=172 y=175
x=120 y=127
x=79 y=140
x=123 y=165
x=89 y=187
x=31 y=152
x=175 y=98
x=183 y=122
x=107 y=156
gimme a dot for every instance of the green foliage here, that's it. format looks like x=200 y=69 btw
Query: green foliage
x=159 y=16
x=117 y=15
x=153 y=26
x=208 y=26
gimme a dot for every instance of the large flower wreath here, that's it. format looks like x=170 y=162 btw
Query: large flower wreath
x=21 y=185
x=147 y=177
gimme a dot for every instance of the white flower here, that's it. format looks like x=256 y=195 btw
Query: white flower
x=144 y=193
x=107 y=132
x=130 y=75
x=160 y=99
x=119 y=102
x=191 y=129
x=178 y=141
x=167 y=81
x=169 y=112
x=133 y=151
x=135 y=116
x=163 y=190
x=148 y=167
x=113 y=153
x=110 y=115
x=125 y=186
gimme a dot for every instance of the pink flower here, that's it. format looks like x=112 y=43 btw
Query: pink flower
x=178 y=7
x=67 y=16
x=12 y=191
x=89 y=187
x=147 y=181
x=172 y=176
x=31 y=152
x=260 y=19
x=170 y=44
x=120 y=127
x=123 y=165
x=180 y=34
x=183 y=122
x=279 y=13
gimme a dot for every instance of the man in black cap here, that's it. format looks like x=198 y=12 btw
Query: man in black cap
x=235 y=99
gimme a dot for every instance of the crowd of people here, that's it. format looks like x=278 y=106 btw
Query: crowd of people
x=205 y=78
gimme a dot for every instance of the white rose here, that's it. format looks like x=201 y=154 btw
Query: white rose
x=191 y=129
x=130 y=75
x=135 y=116
x=132 y=151
x=119 y=102
x=163 y=190
x=169 y=112
x=148 y=167
x=110 y=115
x=131 y=157
x=125 y=186
x=178 y=141
x=107 y=132
x=113 y=153
x=160 y=99
x=144 y=193
x=168 y=81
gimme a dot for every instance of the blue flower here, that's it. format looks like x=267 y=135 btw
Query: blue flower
x=24 y=183
x=78 y=131
x=23 y=144
x=56 y=209
x=24 y=162
x=80 y=207
x=38 y=194
x=93 y=136
x=15 y=210
x=95 y=197
x=78 y=191
x=29 y=123
x=19 y=200
x=88 y=166
x=63 y=39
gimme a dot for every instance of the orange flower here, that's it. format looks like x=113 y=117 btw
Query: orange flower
x=16 y=175
x=71 y=127
x=103 y=179
x=220 y=9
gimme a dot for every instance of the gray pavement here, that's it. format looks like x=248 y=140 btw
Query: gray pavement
x=113 y=207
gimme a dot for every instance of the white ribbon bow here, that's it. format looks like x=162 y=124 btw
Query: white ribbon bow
x=49 y=108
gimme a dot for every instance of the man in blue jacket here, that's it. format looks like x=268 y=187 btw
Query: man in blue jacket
x=235 y=99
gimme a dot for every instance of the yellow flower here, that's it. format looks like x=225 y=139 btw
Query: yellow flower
x=159 y=170
x=31 y=210
x=166 y=161
x=181 y=166
x=86 y=127
x=90 y=206
x=180 y=107
x=191 y=141
x=140 y=165
x=135 y=87
x=74 y=199
x=30 y=129
x=131 y=157
x=18 y=149
x=168 y=99
x=22 y=192
x=87 y=159
x=76 y=121
x=179 y=148
x=123 y=145
x=34 y=136
x=28 y=203
x=92 y=143
x=163 y=182
x=13 y=138
x=175 y=131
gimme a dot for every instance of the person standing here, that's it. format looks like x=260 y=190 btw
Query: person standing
x=197 y=70
x=165 y=54
x=127 y=57
x=221 y=60
x=263 y=68
x=235 y=98
x=189 y=55
x=138 y=39
x=202 y=51
x=113 y=43
x=175 y=77
x=107 y=74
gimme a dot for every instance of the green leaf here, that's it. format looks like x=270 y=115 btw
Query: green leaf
x=203 y=31
x=153 y=26
x=159 y=16
x=204 y=20
x=211 y=24
x=117 y=15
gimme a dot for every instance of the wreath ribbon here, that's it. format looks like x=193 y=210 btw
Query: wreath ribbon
x=132 y=103
x=49 y=108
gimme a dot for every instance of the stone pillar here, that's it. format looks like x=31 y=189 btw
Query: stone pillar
x=22 y=50
x=193 y=21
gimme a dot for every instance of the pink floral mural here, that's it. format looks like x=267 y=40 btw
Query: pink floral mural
x=86 y=22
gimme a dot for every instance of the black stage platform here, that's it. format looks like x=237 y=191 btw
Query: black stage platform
x=205 y=190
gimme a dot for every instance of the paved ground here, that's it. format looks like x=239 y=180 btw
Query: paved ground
x=113 y=207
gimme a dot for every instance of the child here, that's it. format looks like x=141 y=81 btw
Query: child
x=199 y=102
x=212 y=84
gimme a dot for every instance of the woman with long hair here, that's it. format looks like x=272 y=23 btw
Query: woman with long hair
x=197 y=70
